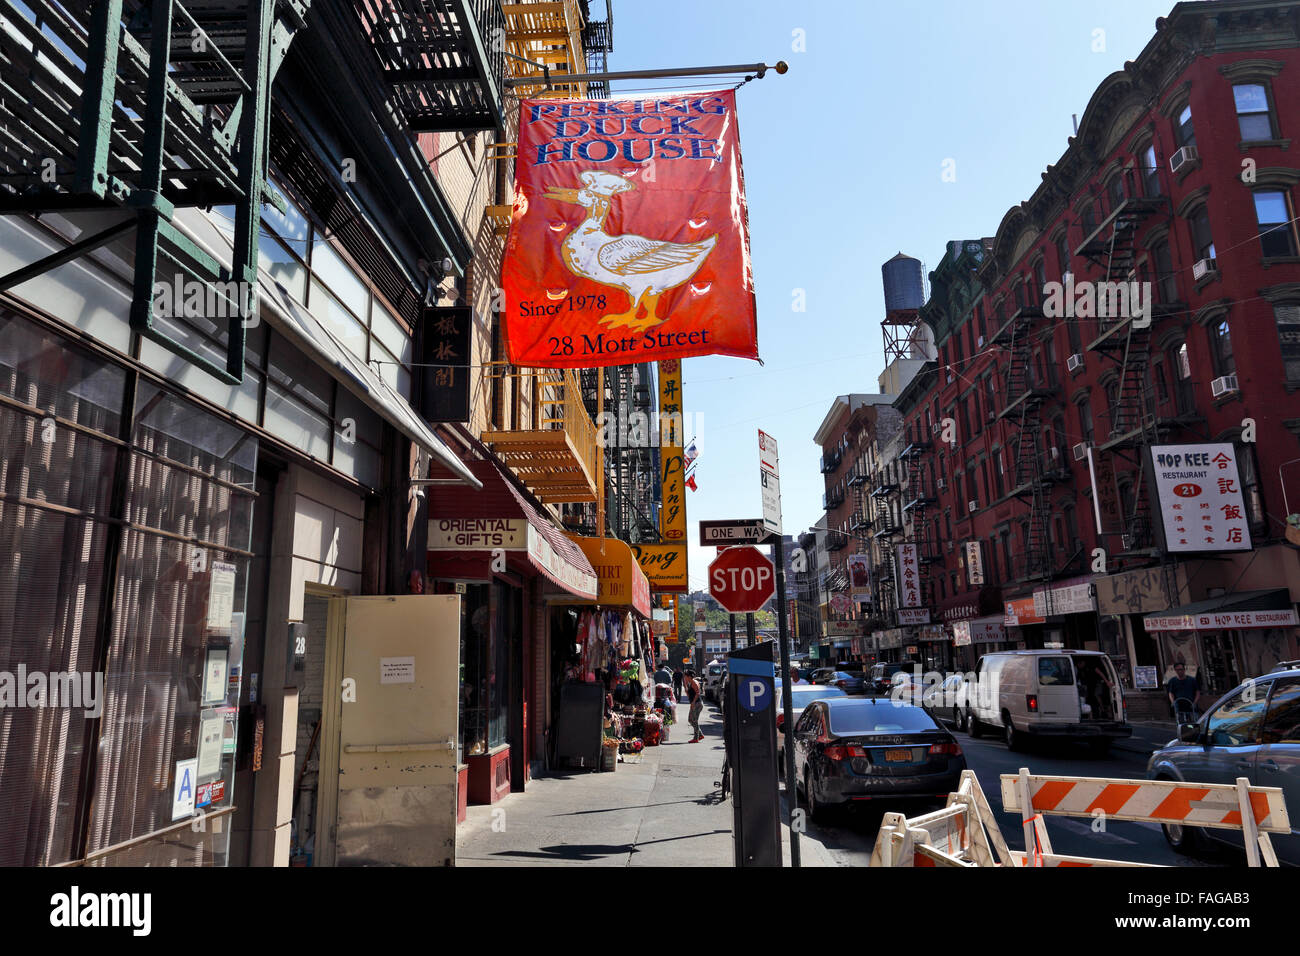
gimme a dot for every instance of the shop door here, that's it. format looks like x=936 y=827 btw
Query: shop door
x=396 y=748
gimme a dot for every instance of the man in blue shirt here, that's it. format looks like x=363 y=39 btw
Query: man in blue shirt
x=1185 y=689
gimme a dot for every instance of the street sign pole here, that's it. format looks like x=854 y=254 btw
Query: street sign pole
x=792 y=795
x=731 y=618
x=749 y=628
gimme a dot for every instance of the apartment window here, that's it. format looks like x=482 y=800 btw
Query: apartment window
x=1184 y=134
x=1183 y=362
x=1052 y=378
x=1276 y=229
x=1248 y=472
x=1221 y=340
x=1287 y=316
x=1202 y=241
x=1166 y=281
x=1161 y=377
x=1254 y=117
x=999 y=472
x=1040 y=278
x=1085 y=419
x=1063 y=254
x=1088 y=219
x=1115 y=189
x=1150 y=172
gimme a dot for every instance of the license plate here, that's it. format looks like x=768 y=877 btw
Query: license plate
x=898 y=756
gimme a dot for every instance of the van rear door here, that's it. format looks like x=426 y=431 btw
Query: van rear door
x=1058 y=697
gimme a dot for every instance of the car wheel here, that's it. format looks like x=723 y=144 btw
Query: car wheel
x=816 y=809
x=1014 y=738
x=1181 y=839
x=957 y=719
x=973 y=726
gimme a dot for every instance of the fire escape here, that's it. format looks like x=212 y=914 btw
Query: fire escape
x=1023 y=413
x=887 y=529
x=1125 y=339
x=919 y=496
x=143 y=108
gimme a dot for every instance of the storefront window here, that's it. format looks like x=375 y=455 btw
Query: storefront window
x=475 y=644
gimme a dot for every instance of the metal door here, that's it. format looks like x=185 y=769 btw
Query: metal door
x=396 y=795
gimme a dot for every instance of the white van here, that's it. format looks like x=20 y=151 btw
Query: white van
x=715 y=672
x=1042 y=693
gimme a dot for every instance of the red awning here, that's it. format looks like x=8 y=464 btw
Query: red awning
x=500 y=516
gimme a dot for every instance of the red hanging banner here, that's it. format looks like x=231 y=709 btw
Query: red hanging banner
x=629 y=240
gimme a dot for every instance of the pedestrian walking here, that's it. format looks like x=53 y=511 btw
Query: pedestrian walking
x=677 y=683
x=696 y=697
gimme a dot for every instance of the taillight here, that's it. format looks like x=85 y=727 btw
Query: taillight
x=780 y=719
x=857 y=751
x=836 y=752
x=951 y=749
x=1031 y=701
x=839 y=683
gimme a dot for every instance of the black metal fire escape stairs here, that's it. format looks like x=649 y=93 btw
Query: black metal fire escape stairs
x=147 y=107
x=1126 y=340
x=1023 y=412
x=919 y=497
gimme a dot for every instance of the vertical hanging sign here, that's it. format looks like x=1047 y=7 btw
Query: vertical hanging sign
x=665 y=564
x=908 y=576
x=446 y=347
x=629 y=240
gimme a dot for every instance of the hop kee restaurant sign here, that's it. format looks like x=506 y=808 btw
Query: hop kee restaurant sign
x=629 y=239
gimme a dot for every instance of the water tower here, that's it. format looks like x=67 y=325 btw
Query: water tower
x=904 y=279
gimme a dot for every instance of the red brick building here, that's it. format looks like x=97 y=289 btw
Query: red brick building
x=1181 y=176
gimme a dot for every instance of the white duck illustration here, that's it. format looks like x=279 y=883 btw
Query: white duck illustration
x=643 y=268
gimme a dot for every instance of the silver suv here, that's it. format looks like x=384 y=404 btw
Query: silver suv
x=1252 y=732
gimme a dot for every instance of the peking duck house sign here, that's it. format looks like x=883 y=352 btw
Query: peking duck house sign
x=629 y=239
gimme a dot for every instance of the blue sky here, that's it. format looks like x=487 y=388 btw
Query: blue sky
x=843 y=159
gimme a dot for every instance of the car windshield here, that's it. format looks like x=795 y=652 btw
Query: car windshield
x=855 y=718
x=803 y=696
x=715 y=670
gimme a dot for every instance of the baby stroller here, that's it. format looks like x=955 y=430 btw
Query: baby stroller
x=666 y=704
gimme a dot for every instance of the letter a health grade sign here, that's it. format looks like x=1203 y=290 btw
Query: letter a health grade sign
x=629 y=240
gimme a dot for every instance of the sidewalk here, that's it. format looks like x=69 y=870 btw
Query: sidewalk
x=660 y=808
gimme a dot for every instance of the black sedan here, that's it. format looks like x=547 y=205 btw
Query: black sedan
x=850 y=749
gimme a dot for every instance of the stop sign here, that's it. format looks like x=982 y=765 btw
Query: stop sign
x=741 y=579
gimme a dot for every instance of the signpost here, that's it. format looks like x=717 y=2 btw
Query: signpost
x=769 y=472
x=729 y=533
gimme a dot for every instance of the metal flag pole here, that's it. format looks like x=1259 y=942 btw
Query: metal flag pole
x=549 y=78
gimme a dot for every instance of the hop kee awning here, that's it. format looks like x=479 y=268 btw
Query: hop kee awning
x=620 y=580
x=466 y=526
x=1246 y=610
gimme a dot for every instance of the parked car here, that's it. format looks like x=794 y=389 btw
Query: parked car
x=882 y=673
x=1040 y=693
x=803 y=696
x=852 y=682
x=848 y=749
x=714 y=673
x=947 y=701
x=1253 y=732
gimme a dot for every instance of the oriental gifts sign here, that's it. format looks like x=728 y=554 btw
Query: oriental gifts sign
x=908 y=576
x=1200 y=497
x=629 y=240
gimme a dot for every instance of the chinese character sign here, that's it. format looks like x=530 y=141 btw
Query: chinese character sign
x=908 y=573
x=1201 y=500
x=974 y=563
x=446 y=364
x=629 y=240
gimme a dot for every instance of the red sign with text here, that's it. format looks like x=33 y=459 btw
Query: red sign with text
x=629 y=240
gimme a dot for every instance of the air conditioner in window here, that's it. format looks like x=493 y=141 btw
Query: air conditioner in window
x=942 y=484
x=993 y=416
x=1223 y=385
x=936 y=428
x=1055 y=453
x=949 y=544
x=980 y=341
x=1204 y=267
x=1074 y=363
x=1184 y=155
x=971 y=506
x=1081 y=450
x=1126 y=542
